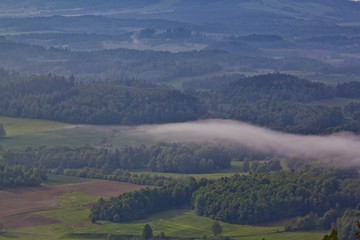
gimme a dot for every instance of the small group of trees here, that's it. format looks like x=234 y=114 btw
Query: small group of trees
x=17 y=176
x=216 y=228
x=147 y=232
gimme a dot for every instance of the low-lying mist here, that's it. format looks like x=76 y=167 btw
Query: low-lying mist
x=343 y=147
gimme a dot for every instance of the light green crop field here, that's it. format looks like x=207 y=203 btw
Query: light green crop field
x=19 y=126
x=22 y=133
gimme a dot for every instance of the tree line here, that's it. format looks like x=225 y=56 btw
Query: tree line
x=162 y=157
x=119 y=175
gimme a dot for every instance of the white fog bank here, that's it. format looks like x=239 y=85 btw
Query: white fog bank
x=344 y=147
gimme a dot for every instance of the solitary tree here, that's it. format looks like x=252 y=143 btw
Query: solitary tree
x=2 y=130
x=147 y=232
x=332 y=236
x=246 y=166
x=216 y=228
x=162 y=235
x=1 y=229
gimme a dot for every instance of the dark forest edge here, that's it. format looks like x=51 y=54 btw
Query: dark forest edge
x=162 y=157
x=278 y=101
x=125 y=102
x=322 y=197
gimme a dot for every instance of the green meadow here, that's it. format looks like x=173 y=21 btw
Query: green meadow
x=22 y=133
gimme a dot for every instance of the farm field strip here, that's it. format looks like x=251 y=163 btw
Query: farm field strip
x=18 y=205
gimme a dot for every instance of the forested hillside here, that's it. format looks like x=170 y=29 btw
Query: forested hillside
x=122 y=102
x=278 y=101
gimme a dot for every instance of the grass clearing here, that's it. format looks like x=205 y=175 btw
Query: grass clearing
x=22 y=133
x=185 y=224
x=20 y=126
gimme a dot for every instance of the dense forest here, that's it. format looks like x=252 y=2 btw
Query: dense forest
x=154 y=66
x=162 y=157
x=279 y=101
x=265 y=197
x=122 y=102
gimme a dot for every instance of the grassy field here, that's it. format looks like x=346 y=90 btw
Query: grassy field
x=22 y=133
x=20 y=126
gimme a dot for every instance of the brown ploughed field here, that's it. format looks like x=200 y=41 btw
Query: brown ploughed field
x=17 y=205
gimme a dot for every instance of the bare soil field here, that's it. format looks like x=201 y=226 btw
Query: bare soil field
x=17 y=205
